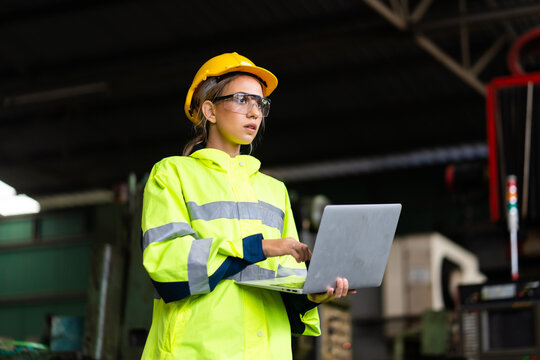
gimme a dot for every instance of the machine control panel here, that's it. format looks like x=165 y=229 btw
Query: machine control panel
x=518 y=291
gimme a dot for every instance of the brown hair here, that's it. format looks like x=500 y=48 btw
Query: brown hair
x=209 y=90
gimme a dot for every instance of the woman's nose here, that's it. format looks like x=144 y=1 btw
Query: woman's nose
x=254 y=111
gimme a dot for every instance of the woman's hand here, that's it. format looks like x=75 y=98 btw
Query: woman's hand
x=286 y=246
x=341 y=290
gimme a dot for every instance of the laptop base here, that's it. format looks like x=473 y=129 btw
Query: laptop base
x=291 y=284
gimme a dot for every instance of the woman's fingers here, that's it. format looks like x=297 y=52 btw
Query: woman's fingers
x=295 y=251
x=341 y=290
x=300 y=251
x=330 y=292
x=306 y=253
x=286 y=246
x=345 y=287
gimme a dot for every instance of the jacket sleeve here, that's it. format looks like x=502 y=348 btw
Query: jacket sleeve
x=303 y=314
x=178 y=261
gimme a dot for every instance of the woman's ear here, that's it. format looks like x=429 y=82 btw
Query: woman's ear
x=208 y=110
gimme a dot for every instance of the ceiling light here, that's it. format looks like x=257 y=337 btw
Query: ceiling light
x=18 y=205
x=6 y=190
x=13 y=204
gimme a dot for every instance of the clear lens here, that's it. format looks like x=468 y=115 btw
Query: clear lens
x=244 y=103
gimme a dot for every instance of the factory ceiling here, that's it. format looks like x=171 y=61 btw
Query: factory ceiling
x=91 y=91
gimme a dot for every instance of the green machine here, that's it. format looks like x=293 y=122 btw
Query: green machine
x=120 y=295
x=73 y=284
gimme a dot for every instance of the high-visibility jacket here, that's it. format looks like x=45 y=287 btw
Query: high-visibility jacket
x=204 y=218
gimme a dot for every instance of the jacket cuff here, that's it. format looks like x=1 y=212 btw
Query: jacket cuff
x=252 y=246
x=296 y=306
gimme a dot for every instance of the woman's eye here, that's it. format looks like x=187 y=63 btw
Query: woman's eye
x=241 y=99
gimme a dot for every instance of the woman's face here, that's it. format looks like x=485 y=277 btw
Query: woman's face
x=235 y=128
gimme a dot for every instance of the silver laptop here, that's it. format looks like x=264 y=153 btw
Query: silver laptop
x=353 y=242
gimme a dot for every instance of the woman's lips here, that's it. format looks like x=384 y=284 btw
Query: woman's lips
x=252 y=128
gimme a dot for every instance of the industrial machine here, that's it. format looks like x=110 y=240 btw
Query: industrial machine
x=500 y=321
x=419 y=294
x=423 y=272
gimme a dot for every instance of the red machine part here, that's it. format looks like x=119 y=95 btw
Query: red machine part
x=514 y=55
x=491 y=112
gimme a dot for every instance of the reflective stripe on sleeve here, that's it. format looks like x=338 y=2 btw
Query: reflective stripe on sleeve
x=255 y=272
x=167 y=232
x=197 y=266
x=269 y=214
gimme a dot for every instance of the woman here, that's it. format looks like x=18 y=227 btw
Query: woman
x=210 y=218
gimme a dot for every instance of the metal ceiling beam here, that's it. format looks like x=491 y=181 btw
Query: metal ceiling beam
x=420 y=10
x=489 y=16
x=490 y=53
x=464 y=68
x=506 y=23
x=466 y=75
x=464 y=38
x=387 y=13
x=405 y=9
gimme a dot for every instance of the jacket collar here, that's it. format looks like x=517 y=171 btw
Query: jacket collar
x=222 y=161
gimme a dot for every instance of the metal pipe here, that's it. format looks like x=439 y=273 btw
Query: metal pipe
x=527 y=155
x=102 y=309
x=349 y=167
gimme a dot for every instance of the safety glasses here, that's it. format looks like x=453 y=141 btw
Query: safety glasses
x=243 y=103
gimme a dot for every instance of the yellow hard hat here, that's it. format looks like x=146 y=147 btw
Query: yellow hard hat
x=223 y=64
